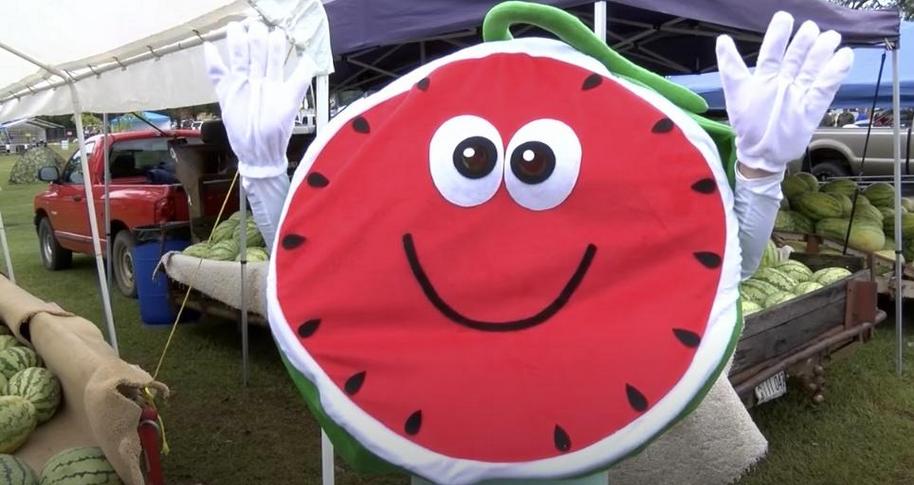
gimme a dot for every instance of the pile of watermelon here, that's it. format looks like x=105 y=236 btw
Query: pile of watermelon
x=29 y=393
x=224 y=242
x=777 y=282
x=826 y=210
x=75 y=466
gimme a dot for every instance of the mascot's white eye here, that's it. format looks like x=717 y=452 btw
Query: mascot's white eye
x=466 y=160
x=544 y=159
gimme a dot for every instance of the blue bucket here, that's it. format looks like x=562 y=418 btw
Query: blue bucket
x=152 y=242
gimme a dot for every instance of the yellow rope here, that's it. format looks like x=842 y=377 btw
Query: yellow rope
x=174 y=325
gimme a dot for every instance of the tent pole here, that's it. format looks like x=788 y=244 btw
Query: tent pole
x=93 y=219
x=599 y=19
x=322 y=110
x=243 y=251
x=6 y=252
x=87 y=186
x=108 y=241
x=896 y=149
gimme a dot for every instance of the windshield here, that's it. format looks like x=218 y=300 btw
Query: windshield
x=140 y=158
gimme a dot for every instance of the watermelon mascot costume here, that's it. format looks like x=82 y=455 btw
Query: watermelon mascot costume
x=519 y=261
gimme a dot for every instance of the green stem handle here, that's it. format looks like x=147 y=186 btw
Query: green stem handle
x=571 y=30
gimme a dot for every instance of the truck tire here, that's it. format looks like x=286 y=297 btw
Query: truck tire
x=830 y=169
x=53 y=256
x=122 y=263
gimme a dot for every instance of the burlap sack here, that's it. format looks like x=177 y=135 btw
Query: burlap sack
x=99 y=407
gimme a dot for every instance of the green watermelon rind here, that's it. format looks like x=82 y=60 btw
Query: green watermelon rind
x=13 y=438
x=75 y=462
x=16 y=471
x=40 y=387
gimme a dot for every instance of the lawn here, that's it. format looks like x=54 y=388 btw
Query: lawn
x=223 y=433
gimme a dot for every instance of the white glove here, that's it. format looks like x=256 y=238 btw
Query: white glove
x=258 y=106
x=775 y=109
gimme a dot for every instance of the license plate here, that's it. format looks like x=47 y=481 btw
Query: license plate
x=773 y=388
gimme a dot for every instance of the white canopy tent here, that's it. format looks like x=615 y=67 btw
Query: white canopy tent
x=115 y=56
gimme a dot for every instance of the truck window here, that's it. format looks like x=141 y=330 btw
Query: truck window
x=148 y=158
x=73 y=170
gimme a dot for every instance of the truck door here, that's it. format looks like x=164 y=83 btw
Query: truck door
x=71 y=223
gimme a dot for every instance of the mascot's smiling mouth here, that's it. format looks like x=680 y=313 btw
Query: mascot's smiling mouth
x=507 y=326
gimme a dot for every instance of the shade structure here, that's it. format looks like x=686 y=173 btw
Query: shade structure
x=375 y=41
x=857 y=90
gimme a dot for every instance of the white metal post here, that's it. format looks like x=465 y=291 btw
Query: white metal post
x=87 y=186
x=322 y=112
x=108 y=242
x=599 y=19
x=93 y=220
x=243 y=251
x=6 y=252
x=896 y=149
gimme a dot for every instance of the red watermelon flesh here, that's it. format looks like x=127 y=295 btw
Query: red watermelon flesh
x=495 y=332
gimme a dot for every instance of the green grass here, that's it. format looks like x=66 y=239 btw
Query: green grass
x=223 y=433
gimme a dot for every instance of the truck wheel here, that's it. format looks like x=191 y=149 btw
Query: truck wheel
x=122 y=263
x=53 y=256
x=830 y=169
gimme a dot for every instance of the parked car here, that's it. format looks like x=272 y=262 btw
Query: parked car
x=143 y=191
x=838 y=152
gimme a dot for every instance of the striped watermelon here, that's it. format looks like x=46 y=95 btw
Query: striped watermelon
x=224 y=231
x=749 y=307
x=776 y=278
x=828 y=276
x=40 y=387
x=3 y=381
x=8 y=341
x=806 y=287
x=14 y=471
x=795 y=269
x=17 y=421
x=79 y=466
x=778 y=298
x=15 y=359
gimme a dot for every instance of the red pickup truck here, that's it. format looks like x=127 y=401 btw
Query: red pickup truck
x=143 y=191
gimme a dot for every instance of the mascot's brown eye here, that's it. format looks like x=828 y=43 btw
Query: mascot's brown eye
x=475 y=157
x=532 y=162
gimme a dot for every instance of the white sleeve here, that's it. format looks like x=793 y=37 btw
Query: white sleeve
x=266 y=197
x=756 y=204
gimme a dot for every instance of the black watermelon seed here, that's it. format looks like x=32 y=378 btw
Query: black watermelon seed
x=710 y=260
x=592 y=81
x=292 y=241
x=317 y=180
x=562 y=441
x=354 y=383
x=423 y=84
x=688 y=338
x=635 y=398
x=413 y=423
x=705 y=186
x=360 y=124
x=662 y=126
x=308 y=328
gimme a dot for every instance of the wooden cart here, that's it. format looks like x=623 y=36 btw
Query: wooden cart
x=795 y=338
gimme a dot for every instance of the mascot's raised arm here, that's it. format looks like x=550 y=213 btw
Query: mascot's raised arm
x=519 y=261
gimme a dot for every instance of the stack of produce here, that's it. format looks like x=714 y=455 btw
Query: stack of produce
x=775 y=283
x=75 y=466
x=225 y=240
x=29 y=393
x=826 y=210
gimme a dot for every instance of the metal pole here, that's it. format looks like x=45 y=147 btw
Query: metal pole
x=93 y=219
x=599 y=19
x=322 y=110
x=6 y=252
x=108 y=241
x=243 y=251
x=896 y=149
x=87 y=186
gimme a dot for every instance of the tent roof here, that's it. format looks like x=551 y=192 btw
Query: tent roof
x=149 y=53
x=856 y=91
x=377 y=40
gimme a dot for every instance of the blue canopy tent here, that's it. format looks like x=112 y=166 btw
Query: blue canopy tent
x=130 y=122
x=857 y=91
